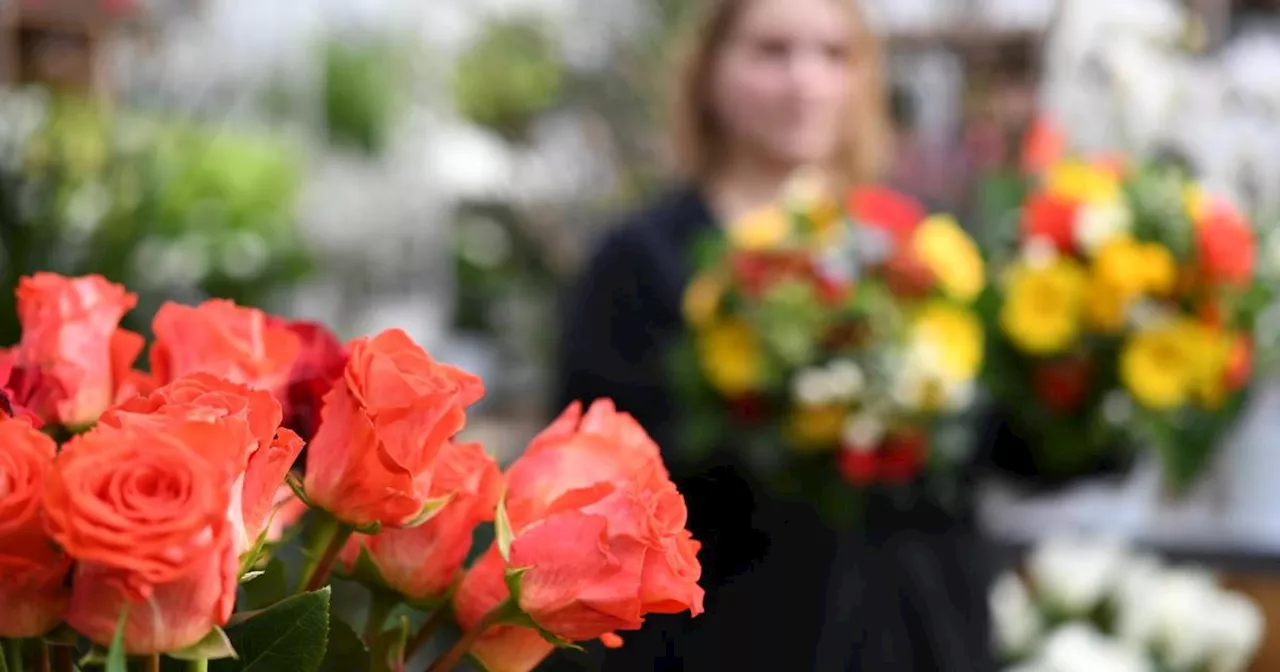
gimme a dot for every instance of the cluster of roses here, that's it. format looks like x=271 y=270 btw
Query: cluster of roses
x=174 y=486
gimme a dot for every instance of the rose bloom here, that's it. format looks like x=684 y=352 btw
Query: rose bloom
x=262 y=451
x=219 y=337
x=320 y=363
x=599 y=530
x=381 y=429
x=71 y=332
x=23 y=388
x=1225 y=245
x=423 y=562
x=33 y=571
x=143 y=509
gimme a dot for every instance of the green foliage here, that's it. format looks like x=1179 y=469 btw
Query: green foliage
x=512 y=74
x=362 y=86
x=291 y=635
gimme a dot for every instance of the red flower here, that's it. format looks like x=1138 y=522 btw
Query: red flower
x=906 y=276
x=1239 y=363
x=23 y=388
x=898 y=460
x=1225 y=245
x=886 y=210
x=1051 y=218
x=749 y=409
x=1062 y=384
x=319 y=365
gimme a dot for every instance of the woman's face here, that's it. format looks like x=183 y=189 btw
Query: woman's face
x=781 y=83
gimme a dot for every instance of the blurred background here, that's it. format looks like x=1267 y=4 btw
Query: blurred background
x=444 y=166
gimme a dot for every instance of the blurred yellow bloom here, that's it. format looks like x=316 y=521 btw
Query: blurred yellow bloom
x=1164 y=366
x=1041 y=311
x=702 y=299
x=1106 y=306
x=762 y=229
x=951 y=255
x=1083 y=182
x=731 y=357
x=814 y=429
x=955 y=334
x=1195 y=200
x=1136 y=267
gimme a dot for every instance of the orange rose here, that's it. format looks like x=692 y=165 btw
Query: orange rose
x=381 y=429
x=502 y=648
x=33 y=571
x=229 y=341
x=24 y=388
x=262 y=451
x=597 y=529
x=71 y=332
x=422 y=563
x=142 y=508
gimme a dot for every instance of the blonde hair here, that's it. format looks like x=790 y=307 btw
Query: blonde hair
x=698 y=138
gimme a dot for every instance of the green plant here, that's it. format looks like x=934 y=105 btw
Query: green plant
x=513 y=73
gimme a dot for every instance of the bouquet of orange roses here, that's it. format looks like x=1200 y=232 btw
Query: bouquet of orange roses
x=146 y=518
x=1124 y=318
x=828 y=341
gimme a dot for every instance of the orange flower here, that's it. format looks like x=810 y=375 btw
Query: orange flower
x=1225 y=246
x=24 y=388
x=381 y=429
x=422 y=563
x=879 y=208
x=142 y=508
x=33 y=571
x=1051 y=218
x=71 y=332
x=502 y=648
x=597 y=528
x=262 y=451
x=229 y=341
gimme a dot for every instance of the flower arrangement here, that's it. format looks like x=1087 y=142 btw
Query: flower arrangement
x=149 y=516
x=829 y=339
x=1125 y=318
x=1092 y=605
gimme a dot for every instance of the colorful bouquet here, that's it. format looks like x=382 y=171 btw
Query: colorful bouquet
x=828 y=340
x=149 y=515
x=1085 y=606
x=1125 y=319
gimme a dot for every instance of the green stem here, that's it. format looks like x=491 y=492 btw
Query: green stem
x=330 y=536
x=13 y=655
x=460 y=648
x=423 y=635
x=201 y=665
x=381 y=604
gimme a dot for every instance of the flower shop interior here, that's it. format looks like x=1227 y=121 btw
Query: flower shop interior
x=447 y=168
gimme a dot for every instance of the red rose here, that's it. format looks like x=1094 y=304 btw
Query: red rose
x=898 y=460
x=1225 y=246
x=1062 y=384
x=879 y=208
x=318 y=366
x=1051 y=218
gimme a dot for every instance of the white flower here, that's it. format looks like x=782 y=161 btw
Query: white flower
x=1097 y=224
x=811 y=387
x=863 y=431
x=921 y=383
x=1075 y=575
x=1015 y=621
x=1038 y=252
x=1146 y=314
x=1077 y=647
x=847 y=379
x=1235 y=627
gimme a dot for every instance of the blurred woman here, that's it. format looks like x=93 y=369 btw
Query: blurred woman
x=770 y=87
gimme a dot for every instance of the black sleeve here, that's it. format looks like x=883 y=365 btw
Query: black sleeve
x=610 y=345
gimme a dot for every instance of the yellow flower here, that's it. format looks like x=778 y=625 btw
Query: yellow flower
x=816 y=428
x=702 y=298
x=951 y=255
x=1041 y=311
x=1164 y=366
x=731 y=357
x=1194 y=200
x=1083 y=182
x=955 y=334
x=1106 y=306
x=762 y=229
x=1136 y=267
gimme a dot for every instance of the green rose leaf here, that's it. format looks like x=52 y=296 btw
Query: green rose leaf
x=346 y=653
x=266 y=589
x=292 y=635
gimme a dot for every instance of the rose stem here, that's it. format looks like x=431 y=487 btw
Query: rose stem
x=151 y=663
x=201 y=665
x=460 y=648
x=13 y=654
x=332 y=535
x=63 y=659
x=381 y=604
x=424 y=633
x=42 y=656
